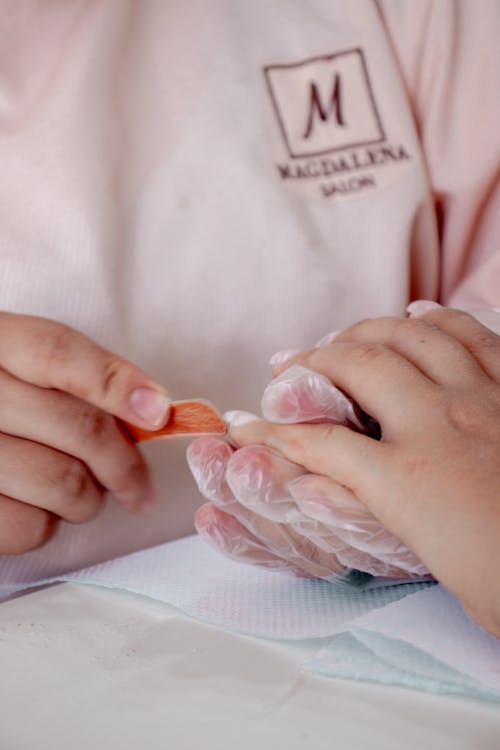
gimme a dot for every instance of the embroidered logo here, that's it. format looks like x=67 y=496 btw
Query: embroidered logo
x=328 y=122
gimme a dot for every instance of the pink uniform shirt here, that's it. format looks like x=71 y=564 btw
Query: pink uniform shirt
x=197 y=185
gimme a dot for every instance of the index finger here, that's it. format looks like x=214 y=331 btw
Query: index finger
x=51 y=355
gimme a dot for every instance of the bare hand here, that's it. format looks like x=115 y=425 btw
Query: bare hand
x=61 y=448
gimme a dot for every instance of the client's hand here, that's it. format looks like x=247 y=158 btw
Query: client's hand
x=268 y=511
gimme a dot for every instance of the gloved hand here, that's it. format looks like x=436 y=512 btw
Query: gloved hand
x=268 y=511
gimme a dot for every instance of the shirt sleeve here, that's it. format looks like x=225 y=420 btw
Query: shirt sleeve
x=449 y=56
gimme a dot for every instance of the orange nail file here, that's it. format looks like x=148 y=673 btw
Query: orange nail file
x=185 y=418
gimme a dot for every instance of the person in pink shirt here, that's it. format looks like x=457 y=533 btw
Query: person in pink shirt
x=191 y=192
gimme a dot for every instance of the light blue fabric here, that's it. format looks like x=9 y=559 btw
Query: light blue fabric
x=426 y=641
x=360 y=655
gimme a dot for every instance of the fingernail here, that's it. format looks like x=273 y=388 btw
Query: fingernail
x=150 y=406
x=283 y=356
x=327 y=339
x=421 y=306
x=239 y=418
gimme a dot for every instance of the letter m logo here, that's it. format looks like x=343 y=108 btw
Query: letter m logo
x=324 y=104
x=333 y=108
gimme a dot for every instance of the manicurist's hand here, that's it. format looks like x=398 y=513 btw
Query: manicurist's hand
x=433 y=480
x=61 y=448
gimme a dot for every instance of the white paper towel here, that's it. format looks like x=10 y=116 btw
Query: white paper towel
x=191 y=576
x=414 y=634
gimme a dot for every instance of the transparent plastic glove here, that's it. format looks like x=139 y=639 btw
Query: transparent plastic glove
x=240 y=533
x=337 y=508
x=255 y=518
x=301 y=395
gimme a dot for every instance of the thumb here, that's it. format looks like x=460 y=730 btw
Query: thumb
x=333 y=450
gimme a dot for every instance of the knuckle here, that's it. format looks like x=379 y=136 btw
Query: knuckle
x=485 y=341
x=52 y=344
x=365 y=353
x=416 y=327
x=467 y=415
x=73 y=480
x=92 y=425
x=411 y=329
x=113 y=369
x=88 y=510
x=80 y=496
x=370 y=327
x=356 y=329
x=295 y=444
x=289 y=442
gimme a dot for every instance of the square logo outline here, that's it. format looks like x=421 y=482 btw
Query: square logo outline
x=285 y=66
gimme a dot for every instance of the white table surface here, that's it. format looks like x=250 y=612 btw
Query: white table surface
x=84 y=667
